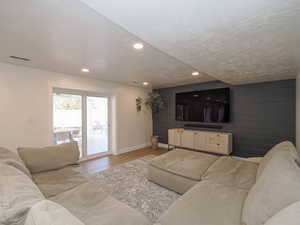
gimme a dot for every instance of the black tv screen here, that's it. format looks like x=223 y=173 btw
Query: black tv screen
x=209 y=106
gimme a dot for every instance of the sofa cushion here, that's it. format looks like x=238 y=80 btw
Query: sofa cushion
x=50 y=213
x=283 y=146
x=50 y=158
x=184 y=163
x=12 y=158
x=232 y=172
x=169 y=180
x=17 y=194
x=55 y=182
x=277 y=187
x=92 y=206
x=287 y=216
x=207 y=203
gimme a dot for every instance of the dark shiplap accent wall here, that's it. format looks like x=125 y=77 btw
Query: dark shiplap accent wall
x=261 y=114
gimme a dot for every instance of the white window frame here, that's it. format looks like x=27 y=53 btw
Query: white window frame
x=84 y=95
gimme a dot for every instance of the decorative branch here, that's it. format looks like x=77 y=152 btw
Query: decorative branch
x=139 y=102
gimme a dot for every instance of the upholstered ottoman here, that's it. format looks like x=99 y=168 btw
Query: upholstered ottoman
x=179 y=169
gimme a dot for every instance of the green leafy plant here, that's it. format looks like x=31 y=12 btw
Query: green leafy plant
x=154 y=101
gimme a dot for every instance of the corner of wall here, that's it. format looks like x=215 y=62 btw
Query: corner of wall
x=298 y=110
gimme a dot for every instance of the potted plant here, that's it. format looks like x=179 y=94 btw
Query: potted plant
x=155 y=102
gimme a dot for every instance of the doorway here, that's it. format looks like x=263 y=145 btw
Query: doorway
x=82 y=117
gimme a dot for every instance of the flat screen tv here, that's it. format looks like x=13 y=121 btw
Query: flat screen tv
x=209 y=106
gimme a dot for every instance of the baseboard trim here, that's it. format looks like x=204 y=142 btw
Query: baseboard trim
x=162 y=145
x=133 y=148
x=96 y=156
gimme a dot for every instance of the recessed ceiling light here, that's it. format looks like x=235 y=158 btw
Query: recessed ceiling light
x=85 y=70
x=145 y=83
x=138 y=46
x=195 y=73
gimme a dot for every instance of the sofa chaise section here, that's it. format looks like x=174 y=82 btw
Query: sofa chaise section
x=179 y=169
x=219 y=190
x=235 y=191
x=54 y=182
x=233 y=172
x=207 y=203
x=92 y=206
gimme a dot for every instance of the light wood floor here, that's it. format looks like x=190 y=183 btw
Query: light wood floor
x=106 y=162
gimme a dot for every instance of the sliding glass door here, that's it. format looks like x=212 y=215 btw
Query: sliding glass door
x=82 y=117
x=97 y=125
x=67 y=119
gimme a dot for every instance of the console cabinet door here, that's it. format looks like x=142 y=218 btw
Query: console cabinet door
x=201 y=141
x=171 y=136
x=174 y=136
x=177 y=137
x=220 y=143
x=187 y=139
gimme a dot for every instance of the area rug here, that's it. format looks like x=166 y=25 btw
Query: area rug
x=128 y=183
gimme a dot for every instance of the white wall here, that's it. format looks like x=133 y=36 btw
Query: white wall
x=298 y=110
x=26 y=107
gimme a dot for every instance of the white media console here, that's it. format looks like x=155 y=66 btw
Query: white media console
x=208 y=141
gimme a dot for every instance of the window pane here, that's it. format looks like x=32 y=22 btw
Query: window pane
x=67 y=119
x=97 y=125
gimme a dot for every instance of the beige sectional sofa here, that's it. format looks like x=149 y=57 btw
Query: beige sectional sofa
x=216 y=190
x=230 y=191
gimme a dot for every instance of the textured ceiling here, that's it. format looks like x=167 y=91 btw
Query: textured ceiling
x=66 y=35
x=235 y=41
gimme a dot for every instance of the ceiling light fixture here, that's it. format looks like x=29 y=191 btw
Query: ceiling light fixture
x=85 y=70
x=195 y=73
x=145 y=83
x=138 y=46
